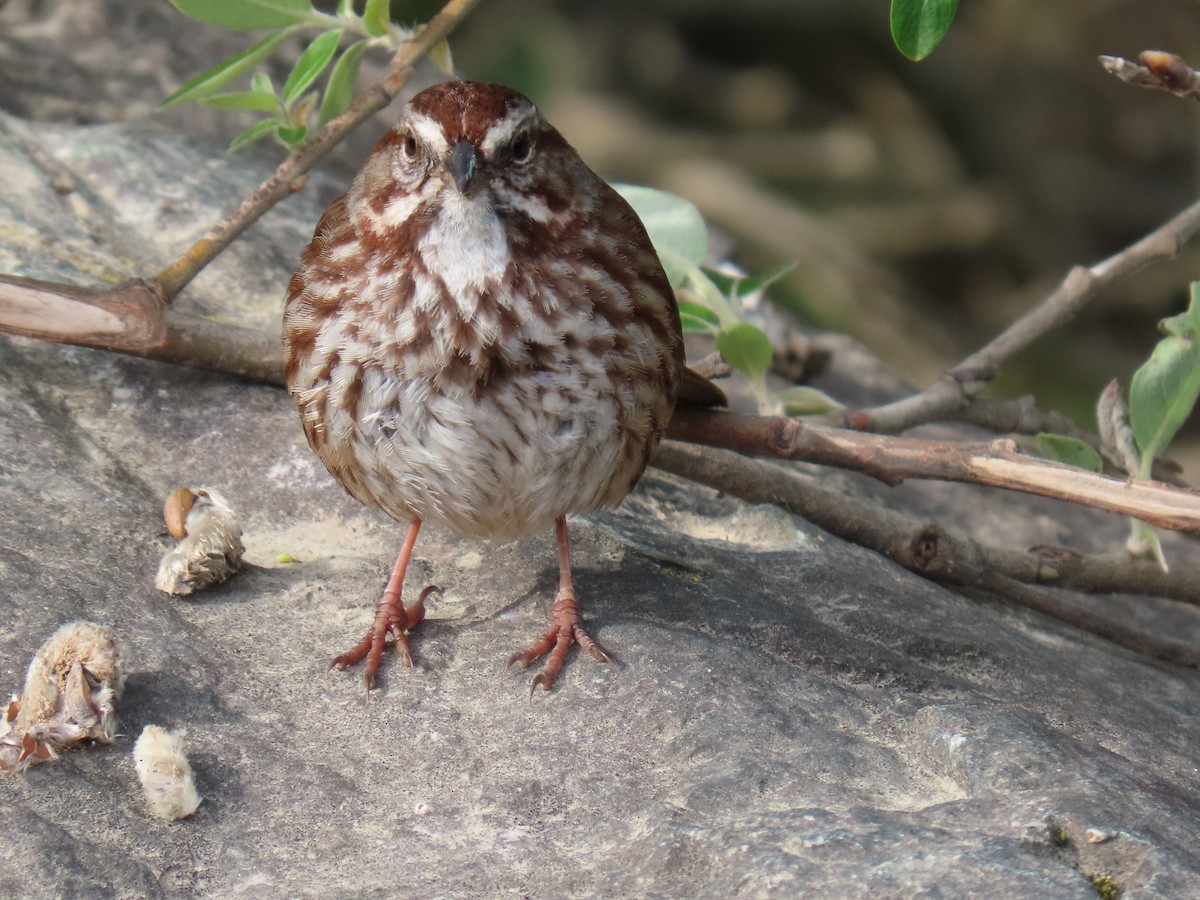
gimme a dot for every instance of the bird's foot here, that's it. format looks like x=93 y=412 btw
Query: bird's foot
x=392 y=618
x=565 y=629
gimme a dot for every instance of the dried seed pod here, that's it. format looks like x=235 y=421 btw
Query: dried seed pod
x=70 y=689
x=160 y=759
x=175 y=511
x=1116 y=434
x=211 y=546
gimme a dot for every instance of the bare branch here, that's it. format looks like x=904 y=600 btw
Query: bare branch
x=288 y=177
x=959 y=384
x=892 y=459
x=1022 y=415
x=133 y=318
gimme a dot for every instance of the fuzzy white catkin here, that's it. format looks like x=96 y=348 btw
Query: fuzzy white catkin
x=165 y=774
x=70 y=692
x=211 y=550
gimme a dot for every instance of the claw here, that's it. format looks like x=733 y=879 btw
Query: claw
x=391 y=618
x=565 y=627
x=584 y=640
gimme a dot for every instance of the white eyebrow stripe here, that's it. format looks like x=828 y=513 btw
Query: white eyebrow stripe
x=430 y=133
x=504 y=130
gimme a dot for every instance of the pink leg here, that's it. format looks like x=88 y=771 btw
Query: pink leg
x=566 y=625
x=390 y=617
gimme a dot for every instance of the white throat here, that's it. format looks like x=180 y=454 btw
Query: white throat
x=466 y=247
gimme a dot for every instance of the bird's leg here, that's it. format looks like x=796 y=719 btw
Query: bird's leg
x=390 y=617
x=566 y=625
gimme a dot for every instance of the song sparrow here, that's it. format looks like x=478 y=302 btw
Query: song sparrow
x=480 y=334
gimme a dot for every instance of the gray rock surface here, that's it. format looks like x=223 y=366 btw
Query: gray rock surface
x=793 y=715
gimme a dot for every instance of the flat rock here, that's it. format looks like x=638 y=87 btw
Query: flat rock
x=791 y=714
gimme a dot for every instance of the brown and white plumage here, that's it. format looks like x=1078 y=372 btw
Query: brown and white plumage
x=480 y=333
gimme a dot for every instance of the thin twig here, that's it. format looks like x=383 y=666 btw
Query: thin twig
x=934 y=552
x=959 y=384
x=1158 y=70
x=285 y=179
x=892 y=459
x=1022 y=415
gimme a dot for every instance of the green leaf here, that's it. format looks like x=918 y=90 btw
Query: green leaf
x=1165 y=388
x=224 y=72
x=764 y=280
x=340 y=89
x=675 y=226
x=736 y=285
x=745 y=348
x=1069 y=450
x=377 y=17
x=255 y=132
x=697 y=317
x=310 y=65
x=345 y=9
x=918 y=26
x=255 y=100
x=439 y=54
x=700 y=287
x=677 y=266
x=692 y=325
x=262 y=82
x=802 y=400
x=292 y=134
x=244 y=15
x=726 y=282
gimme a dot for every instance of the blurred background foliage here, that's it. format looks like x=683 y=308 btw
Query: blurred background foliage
x=928 y=204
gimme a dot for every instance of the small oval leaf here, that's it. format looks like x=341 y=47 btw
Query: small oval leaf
x=1069 y=450
x=255 y=132
x=802 y=400
x=377 y=17
x=340 y=89
x=439 y=54
x=262 y=82
x=224 y=72
x=692 y=325
x=918 y=26
x=674 y=224
x=706 y=318
x=292 y=134
x=310 y=65
x=245 y=15
x=726 y=282
x=762 y=281
x=745 y=348
x=1164 y=390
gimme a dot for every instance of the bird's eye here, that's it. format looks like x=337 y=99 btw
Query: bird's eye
x=522 y=149
x=410 y=146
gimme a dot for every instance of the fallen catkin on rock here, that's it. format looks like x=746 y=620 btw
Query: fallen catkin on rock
x=210 y=547
x=166 y=776
x=69 y=693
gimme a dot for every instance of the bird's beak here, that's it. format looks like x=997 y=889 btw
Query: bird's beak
x=462 y=163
